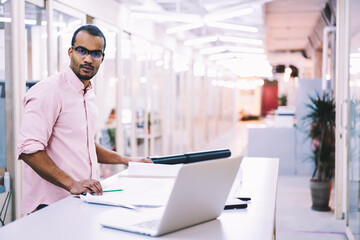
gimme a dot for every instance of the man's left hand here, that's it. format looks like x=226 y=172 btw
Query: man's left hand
x=139 y=159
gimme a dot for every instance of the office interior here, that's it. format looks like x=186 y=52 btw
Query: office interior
x=178 y=74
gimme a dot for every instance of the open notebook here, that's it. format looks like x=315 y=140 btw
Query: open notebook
x=198 y=195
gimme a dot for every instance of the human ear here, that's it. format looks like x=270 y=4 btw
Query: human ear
x=70 y=51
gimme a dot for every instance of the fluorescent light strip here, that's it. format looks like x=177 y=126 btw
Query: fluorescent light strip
x=55 y=24
x=5 y=19
x=226 y=15
x=213 y=50
x=246 y=49
x=251 y=56
x=221 y=56
x=186 y=18
x=184 y=27
x=30 y=22
x=241 y=40
x=202 y=40
x=232 y=27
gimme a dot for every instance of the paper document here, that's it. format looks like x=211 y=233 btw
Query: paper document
x=145 y=185
x=154 y=170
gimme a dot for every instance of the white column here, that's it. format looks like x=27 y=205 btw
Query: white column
x=147 y=97
x=50 y=39
x=342 y=116
x=189 y=108
x=152 y=112
x=119 y=95
x=15 y=92
x=134 y=80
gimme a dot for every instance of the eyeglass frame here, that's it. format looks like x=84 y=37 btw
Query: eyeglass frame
x=91 y=52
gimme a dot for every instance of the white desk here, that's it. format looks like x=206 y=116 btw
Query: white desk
x=71 y=218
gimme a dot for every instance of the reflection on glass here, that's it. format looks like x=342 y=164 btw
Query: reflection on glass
x=141 y=51
x=354 y=160
x=181 y=66
x=36 y=51
x=106 y=90
x=4 y=31
x=127 y=88
x=157 y=56
x=63 y=28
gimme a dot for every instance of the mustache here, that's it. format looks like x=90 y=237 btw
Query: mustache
x=87 y=65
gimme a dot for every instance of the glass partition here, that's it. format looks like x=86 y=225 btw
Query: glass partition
x=199 y=101
x=105 y=84
x=157 y=69
x=142 y=82
x=180 y=108
x=64 y=26
x=5 y=19
x=36 y=42
x=126 y=113
x=354 y=143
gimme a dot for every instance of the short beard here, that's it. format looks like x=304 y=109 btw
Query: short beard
x=84 y=77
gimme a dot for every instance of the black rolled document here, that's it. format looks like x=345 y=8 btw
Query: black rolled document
x=192 y=157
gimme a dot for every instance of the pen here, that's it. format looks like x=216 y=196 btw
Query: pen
x=113 y=190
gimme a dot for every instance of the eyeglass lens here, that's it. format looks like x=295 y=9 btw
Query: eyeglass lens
x=83 y=52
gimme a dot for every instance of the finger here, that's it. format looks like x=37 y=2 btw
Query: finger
x=95 y=187
x=98 y=187
x=147 y=160
x=88 y=190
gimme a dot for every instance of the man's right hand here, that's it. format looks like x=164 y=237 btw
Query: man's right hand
x=86 y=186
x=47 y=169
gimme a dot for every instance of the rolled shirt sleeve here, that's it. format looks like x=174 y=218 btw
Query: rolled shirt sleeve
x=41 y=109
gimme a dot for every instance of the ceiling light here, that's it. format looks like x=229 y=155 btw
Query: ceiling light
x=30 y=22
x=173 y=17
x=213 y=50
x=200 y=40
x=228 y=14
x=221 y=56
x=184 y=27
x=5 y=19
x=246 y=49
x=251 y=56
x=232 y=27
x=287 y=74
x=252 y=41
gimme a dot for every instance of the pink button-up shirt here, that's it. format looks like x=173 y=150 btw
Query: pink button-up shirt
x=60 y=119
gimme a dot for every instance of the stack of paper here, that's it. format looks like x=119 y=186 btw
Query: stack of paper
x=144 y=185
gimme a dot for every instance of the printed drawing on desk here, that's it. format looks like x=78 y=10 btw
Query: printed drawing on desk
x=147 y=185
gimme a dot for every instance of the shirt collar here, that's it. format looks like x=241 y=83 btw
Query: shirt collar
x=75 y=81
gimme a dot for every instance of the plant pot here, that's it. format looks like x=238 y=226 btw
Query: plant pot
x=320 y=195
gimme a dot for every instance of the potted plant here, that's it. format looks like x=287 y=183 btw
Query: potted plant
x=321 y=117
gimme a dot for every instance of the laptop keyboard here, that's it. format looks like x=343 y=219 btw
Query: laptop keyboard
x=151 y=224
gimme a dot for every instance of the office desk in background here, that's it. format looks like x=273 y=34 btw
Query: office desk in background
x=71 y=218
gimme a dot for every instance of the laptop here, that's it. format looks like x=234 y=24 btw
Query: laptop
x=199 y=195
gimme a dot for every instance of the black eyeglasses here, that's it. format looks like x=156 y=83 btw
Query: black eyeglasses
x=97 y=55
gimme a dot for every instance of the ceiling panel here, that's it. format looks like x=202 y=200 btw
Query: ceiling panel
x=286 y=44
x=295 y=20
x=288 y=32
x=285 y=25
x=295 y=6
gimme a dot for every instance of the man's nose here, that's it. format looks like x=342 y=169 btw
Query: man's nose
x=88 y=58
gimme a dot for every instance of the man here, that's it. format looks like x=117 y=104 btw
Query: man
x=58 y=129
